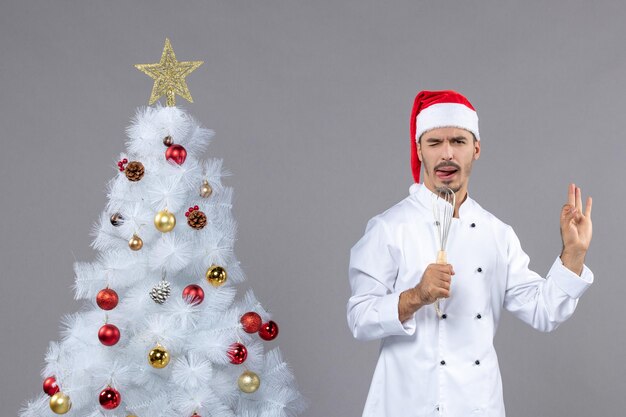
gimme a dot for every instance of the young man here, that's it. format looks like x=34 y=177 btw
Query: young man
x=446 y=365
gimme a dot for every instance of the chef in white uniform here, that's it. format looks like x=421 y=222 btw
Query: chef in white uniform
x=431 y=365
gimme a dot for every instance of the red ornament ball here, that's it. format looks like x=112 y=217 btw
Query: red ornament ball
x=107 y=299
x=237 y=353
x=110 y=398
x=50 y=386
x=193 y=294
x=269 y=331
x=176 y=153
x=251 y=322
x=109 y=334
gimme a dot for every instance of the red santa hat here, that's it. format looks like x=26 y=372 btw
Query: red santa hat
x=434 y=109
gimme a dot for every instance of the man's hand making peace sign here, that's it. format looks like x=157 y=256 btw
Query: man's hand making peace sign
x=576 y=230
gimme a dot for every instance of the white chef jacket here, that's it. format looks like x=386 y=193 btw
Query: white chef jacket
x=431 y=366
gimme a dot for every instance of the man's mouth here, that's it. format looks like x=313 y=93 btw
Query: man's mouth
x=446 y=173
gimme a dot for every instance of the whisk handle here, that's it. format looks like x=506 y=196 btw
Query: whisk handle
x=442 y=259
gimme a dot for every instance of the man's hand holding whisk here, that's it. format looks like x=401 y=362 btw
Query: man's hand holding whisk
x=435 y=284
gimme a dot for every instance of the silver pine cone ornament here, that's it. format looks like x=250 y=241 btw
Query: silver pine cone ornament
x=160 y=292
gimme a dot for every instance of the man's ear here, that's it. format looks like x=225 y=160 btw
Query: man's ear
x=419 y=152
x=476 y=150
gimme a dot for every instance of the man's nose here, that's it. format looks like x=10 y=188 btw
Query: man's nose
x=446 y=151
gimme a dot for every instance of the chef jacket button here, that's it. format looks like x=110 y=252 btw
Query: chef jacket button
x=442 y=362
x=478 y=316
x=477 y=362
x=473 y=225
x=436 y=223
x=480 y=269
x=444 y=316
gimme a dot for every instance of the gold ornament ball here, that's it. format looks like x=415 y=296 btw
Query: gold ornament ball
x=216 y=275
x=60 y=403
x=205 y=190
x=249 y=382
x=159 y=357
x=164 y=221
x=135 y=243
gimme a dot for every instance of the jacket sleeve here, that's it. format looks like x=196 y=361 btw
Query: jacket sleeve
x=542 y=303
x=373 y=306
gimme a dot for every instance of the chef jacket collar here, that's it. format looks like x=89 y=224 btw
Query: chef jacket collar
x=425 y=197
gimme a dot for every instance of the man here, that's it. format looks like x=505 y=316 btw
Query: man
x=446 y=365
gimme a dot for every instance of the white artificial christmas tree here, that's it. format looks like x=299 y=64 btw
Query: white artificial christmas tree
x=162 y=333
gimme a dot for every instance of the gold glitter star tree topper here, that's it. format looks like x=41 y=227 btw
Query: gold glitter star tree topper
x=169 y=76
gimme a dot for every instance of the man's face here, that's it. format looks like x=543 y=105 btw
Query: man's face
x=447 y=154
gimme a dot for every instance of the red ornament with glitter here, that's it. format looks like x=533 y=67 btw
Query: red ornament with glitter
x=237 y=353
x=269 y=331
x=193 y=294
x=176 y=153
x=251 y=322
x=50 y=386
x=109 y=334
x=107 y=299
x=110 y=398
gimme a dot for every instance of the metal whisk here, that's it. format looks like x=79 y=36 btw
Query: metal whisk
x=443 y=214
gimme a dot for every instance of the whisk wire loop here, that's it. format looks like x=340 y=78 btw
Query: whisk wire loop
x=443 y=212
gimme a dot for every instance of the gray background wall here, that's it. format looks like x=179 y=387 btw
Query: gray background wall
x=311 y=103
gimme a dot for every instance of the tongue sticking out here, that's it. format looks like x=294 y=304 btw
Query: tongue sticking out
x=446 y=173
